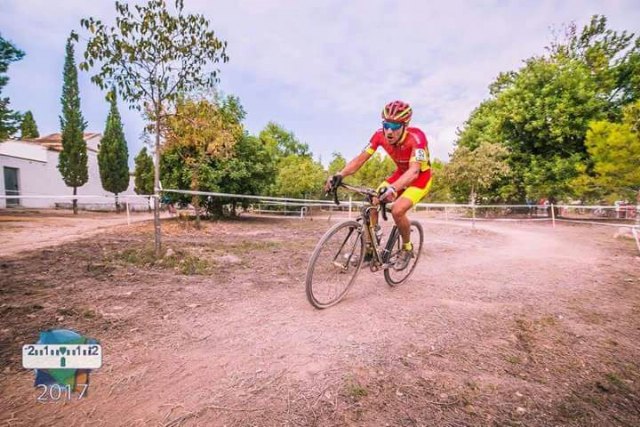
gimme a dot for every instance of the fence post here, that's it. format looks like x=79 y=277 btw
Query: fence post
x=350 y=201
x=128 y=217
x=473 y=221
x=553 y=215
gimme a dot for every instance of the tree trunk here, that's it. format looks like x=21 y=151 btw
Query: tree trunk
x=195 y=199
x=117 y=204
x=233 y=208
x=196 y=206
x=156 y=189
x=75 y=201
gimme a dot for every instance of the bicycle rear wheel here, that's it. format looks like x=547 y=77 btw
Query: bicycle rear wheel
x=394 y=246
x=334 y=264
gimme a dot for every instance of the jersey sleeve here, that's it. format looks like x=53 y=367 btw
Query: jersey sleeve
x=420 y=151
x=374 y=143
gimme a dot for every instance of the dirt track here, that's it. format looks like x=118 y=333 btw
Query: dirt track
x=511 y=324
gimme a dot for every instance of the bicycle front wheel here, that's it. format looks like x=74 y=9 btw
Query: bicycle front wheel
x=394 y=246
x=334 y=264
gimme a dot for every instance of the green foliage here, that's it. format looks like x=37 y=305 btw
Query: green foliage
x=550 y=177
x=440 y=191
x=615 y=151
x=72 y=162
x=143 y=173
x=9 y=120
x=153 y=55
x=113 y=155
x=249 y=170
x=374 y=171
x=219 y=157
x=202 y=130
x=471 y=173
x=281 y=142
x=299 y=177
x=28 y=127
x=542 y=112
x=337 y=163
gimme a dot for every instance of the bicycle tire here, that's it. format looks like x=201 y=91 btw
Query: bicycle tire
x=393 y=245
x=345 y=231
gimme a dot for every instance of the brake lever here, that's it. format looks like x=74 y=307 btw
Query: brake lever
x=335 y=196
x=384 y=210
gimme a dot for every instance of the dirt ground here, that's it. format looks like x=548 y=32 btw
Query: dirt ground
x=509 y=324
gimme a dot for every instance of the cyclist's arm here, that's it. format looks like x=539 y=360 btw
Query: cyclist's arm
x=408 y=177
x=355 y=164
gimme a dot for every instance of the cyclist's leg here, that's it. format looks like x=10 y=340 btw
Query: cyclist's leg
x=400 y=208
x=405 y=201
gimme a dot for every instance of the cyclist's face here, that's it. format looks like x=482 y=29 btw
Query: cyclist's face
x=393 y=136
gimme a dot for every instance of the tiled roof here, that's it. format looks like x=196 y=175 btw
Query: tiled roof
x=54 y=141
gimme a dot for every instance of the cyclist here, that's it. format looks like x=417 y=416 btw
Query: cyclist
x=410 y=182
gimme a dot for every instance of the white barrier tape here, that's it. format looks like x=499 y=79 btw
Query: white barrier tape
x=78 y=196
x=242 y=196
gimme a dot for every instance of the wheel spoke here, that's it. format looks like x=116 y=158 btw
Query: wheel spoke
x=334 y=264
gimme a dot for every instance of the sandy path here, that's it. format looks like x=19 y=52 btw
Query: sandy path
x=39 y=230
x=497 y=326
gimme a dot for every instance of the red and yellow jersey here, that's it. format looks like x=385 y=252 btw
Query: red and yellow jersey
x=413 y=148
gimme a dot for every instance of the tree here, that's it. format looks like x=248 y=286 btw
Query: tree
x=72 y=162
x=337 y=163
x=9 y=120
x=440 y=191
x=143 y=173
x=282 y=142
x=542 y=112
x=28 y=128
x=153 y=56
x=375 y=171
x=615 y=150
x=199 y=132
x=471 y=172
x=251 y=170
x=113 y=155
x=299 y=177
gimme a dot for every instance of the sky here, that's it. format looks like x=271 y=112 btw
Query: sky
x=322 y=69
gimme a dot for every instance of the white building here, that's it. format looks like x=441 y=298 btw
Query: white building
x=30 y=168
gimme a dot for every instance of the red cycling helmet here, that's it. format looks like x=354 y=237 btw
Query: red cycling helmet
x=397 y=111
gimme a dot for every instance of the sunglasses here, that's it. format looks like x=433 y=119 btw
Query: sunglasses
x=391 y=125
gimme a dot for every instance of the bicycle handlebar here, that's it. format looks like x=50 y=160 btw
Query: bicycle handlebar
x=369 y=192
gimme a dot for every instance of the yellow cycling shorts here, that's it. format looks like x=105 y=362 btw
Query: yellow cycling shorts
x=414 y=194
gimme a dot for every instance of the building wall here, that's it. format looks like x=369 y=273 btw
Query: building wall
x=36 y=177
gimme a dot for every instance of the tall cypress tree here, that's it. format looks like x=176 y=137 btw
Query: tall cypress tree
x=9 y=120
x=28 y=128
x=144 y=173
x=73 y=160
x=113 y=156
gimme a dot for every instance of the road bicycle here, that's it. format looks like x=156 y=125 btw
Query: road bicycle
x=345 y=247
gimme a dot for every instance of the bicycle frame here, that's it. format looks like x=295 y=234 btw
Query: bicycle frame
x=379 y=257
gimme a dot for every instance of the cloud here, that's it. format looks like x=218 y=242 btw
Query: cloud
x=325 y=69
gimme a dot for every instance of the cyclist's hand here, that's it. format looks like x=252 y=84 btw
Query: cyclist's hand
x=387 y=194
x=333 y=182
